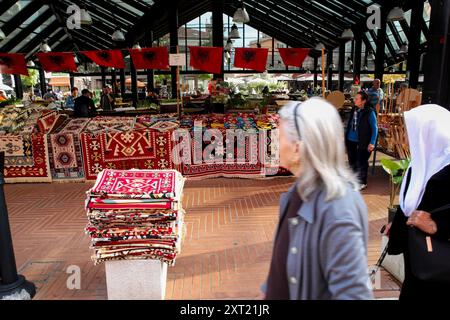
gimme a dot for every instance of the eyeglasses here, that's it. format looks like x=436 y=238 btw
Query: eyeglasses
x=296 y=122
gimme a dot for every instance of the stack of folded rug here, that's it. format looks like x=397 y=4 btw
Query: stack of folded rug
x=135 y=214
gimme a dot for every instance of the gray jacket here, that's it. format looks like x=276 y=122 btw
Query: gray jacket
x=327 y=257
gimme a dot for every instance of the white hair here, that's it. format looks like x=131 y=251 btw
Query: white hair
x=322 y=147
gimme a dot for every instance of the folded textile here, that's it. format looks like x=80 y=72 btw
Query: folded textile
x=135 y=214
x=142 y=184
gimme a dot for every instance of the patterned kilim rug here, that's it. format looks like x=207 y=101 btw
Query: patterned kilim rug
x=26 y=158
x=139 y=149
x=66 y=161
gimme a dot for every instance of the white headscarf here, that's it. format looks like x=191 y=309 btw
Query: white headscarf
x=428 y=129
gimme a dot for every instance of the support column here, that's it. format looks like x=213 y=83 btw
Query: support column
x=173 y=27
x=315 y=59
x=217 y=29
x=114 y=80
x=437 y=64
x=103 y=76
x=341 y=64
x=413 y=62
x=42 y=81
x=380 y=43
x=150 y=72
x=357 y=57
x=330 y=70
x=18 y=86
x=72 y=81
x=122 y=82
x=134 y=89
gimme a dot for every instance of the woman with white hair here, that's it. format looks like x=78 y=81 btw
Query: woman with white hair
x=421 y=226
x=320 y=249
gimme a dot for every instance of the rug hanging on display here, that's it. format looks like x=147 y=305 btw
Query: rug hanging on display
x=66 y=161
x=144 y=149
x=26 y=158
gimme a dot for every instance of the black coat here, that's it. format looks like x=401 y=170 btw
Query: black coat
x=364 y=128
x=436 y=195
x=84 y=107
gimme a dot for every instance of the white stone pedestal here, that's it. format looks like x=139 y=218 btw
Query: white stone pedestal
x=136 y=279
x=393 y=264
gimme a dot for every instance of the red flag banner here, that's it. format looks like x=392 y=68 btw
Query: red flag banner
x=293 y=56
x=251 y=58
x=207 y=59
x=106 y=58
x=13 y=63
x=57 y=61
x=150 y=58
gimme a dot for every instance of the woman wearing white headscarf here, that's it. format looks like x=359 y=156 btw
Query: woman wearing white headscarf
x=425 y=188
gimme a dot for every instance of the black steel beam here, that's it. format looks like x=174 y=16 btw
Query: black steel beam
x=21 y=16
x=357 y=57
x=290 y=23
x=45 y=33
x=329 y=69
x=173 y=25
x=380 y=45
x=275 y=28
x=413 y=62
x=341 y=65
x=25 y=32
x=217 y=29
x=137 y=5
x=437 y=62
x=289 y=9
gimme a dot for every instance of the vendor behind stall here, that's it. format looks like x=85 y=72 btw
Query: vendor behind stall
x=70 y=101
x=107 y=100
x=84 y=105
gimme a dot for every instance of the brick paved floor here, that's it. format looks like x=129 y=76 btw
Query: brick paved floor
x=225 y=254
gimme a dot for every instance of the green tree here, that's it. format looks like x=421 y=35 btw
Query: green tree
x=31 y=80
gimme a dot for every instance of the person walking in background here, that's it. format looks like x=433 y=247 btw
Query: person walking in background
x=376 y=96
x=50 y=96
x=70 y=101
x=361 y=136
x=320 y=248
x=425 y=188
x=106 y=99
x=84 y=106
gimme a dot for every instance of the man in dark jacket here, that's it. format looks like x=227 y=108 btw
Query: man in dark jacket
x=361 y=136
x=84 y=105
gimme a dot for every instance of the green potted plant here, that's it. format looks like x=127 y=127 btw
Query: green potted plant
x=396 y=170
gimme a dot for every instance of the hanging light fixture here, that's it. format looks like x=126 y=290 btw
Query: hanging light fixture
x=349 y=61
x=234 y=33
x=241 y=15
x=44 y=47
x=118 y=35
x=31 y=64
x=365 y=67
x=371 y=56
x=396 y=14
x=350 y=70
x=403 y=49
x=76 y=59
x=347 y=34
x=385 y=65
x=332 y=66
x=229 y=45
x=308 y=71
x=137 y=46
x=85 y=17
x=2 y=35
x=320 y=46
